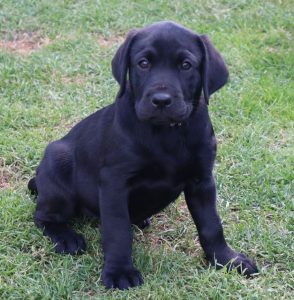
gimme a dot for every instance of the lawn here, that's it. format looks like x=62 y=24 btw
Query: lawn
x=55 y=70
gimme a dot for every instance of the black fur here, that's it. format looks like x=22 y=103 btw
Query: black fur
x=129 y=160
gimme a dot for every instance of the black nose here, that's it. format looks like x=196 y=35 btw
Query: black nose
x=161 y=100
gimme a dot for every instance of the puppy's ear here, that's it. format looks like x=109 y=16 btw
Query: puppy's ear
x=215 y=73
x=120 y=62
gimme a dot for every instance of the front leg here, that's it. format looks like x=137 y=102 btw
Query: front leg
x=118 y=270
x=201 y=200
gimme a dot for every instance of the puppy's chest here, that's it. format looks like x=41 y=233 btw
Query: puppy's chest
x=164 y=164
x=167 y=171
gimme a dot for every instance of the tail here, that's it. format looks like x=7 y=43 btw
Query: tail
x=32 y=186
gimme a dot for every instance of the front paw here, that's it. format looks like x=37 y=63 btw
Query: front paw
x=69 y=243
x=234 y=260
x=243 y=264
x=121 y=278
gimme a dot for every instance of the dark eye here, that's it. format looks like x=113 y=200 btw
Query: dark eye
x=144 y=63
x=186 y=65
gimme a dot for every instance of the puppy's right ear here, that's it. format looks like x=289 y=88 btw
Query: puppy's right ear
x=121 y=60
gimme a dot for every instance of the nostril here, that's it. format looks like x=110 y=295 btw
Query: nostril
x=161 y=99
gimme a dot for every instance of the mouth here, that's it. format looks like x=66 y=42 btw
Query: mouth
x=166 y=122
x=164 y=117
x=174 y=124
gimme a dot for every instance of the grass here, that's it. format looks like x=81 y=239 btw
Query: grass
x=55 y=70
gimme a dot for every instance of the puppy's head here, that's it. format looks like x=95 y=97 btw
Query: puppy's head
x=168 y=66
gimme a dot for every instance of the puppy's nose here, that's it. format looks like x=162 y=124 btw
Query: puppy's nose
x=161 y=100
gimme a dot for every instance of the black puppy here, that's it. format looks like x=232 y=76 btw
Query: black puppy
x=129 y=160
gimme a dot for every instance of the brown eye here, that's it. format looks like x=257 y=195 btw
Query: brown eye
x=186 y=65
x=144 y=63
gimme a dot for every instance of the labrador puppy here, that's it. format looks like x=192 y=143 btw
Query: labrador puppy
x=129 y=160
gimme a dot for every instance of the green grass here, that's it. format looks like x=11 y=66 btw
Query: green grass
x=44 y=93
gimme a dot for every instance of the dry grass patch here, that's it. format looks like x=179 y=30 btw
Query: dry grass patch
x=24 y=43
x=73 y=80
x=172 y=230
x=108 y=42
x=284 y=139
x=4 y=179
x=8 y=174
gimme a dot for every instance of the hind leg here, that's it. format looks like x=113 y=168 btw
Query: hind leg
x=56 y=203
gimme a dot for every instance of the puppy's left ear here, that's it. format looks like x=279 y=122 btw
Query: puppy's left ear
x=214 y=73
x=120 y=62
